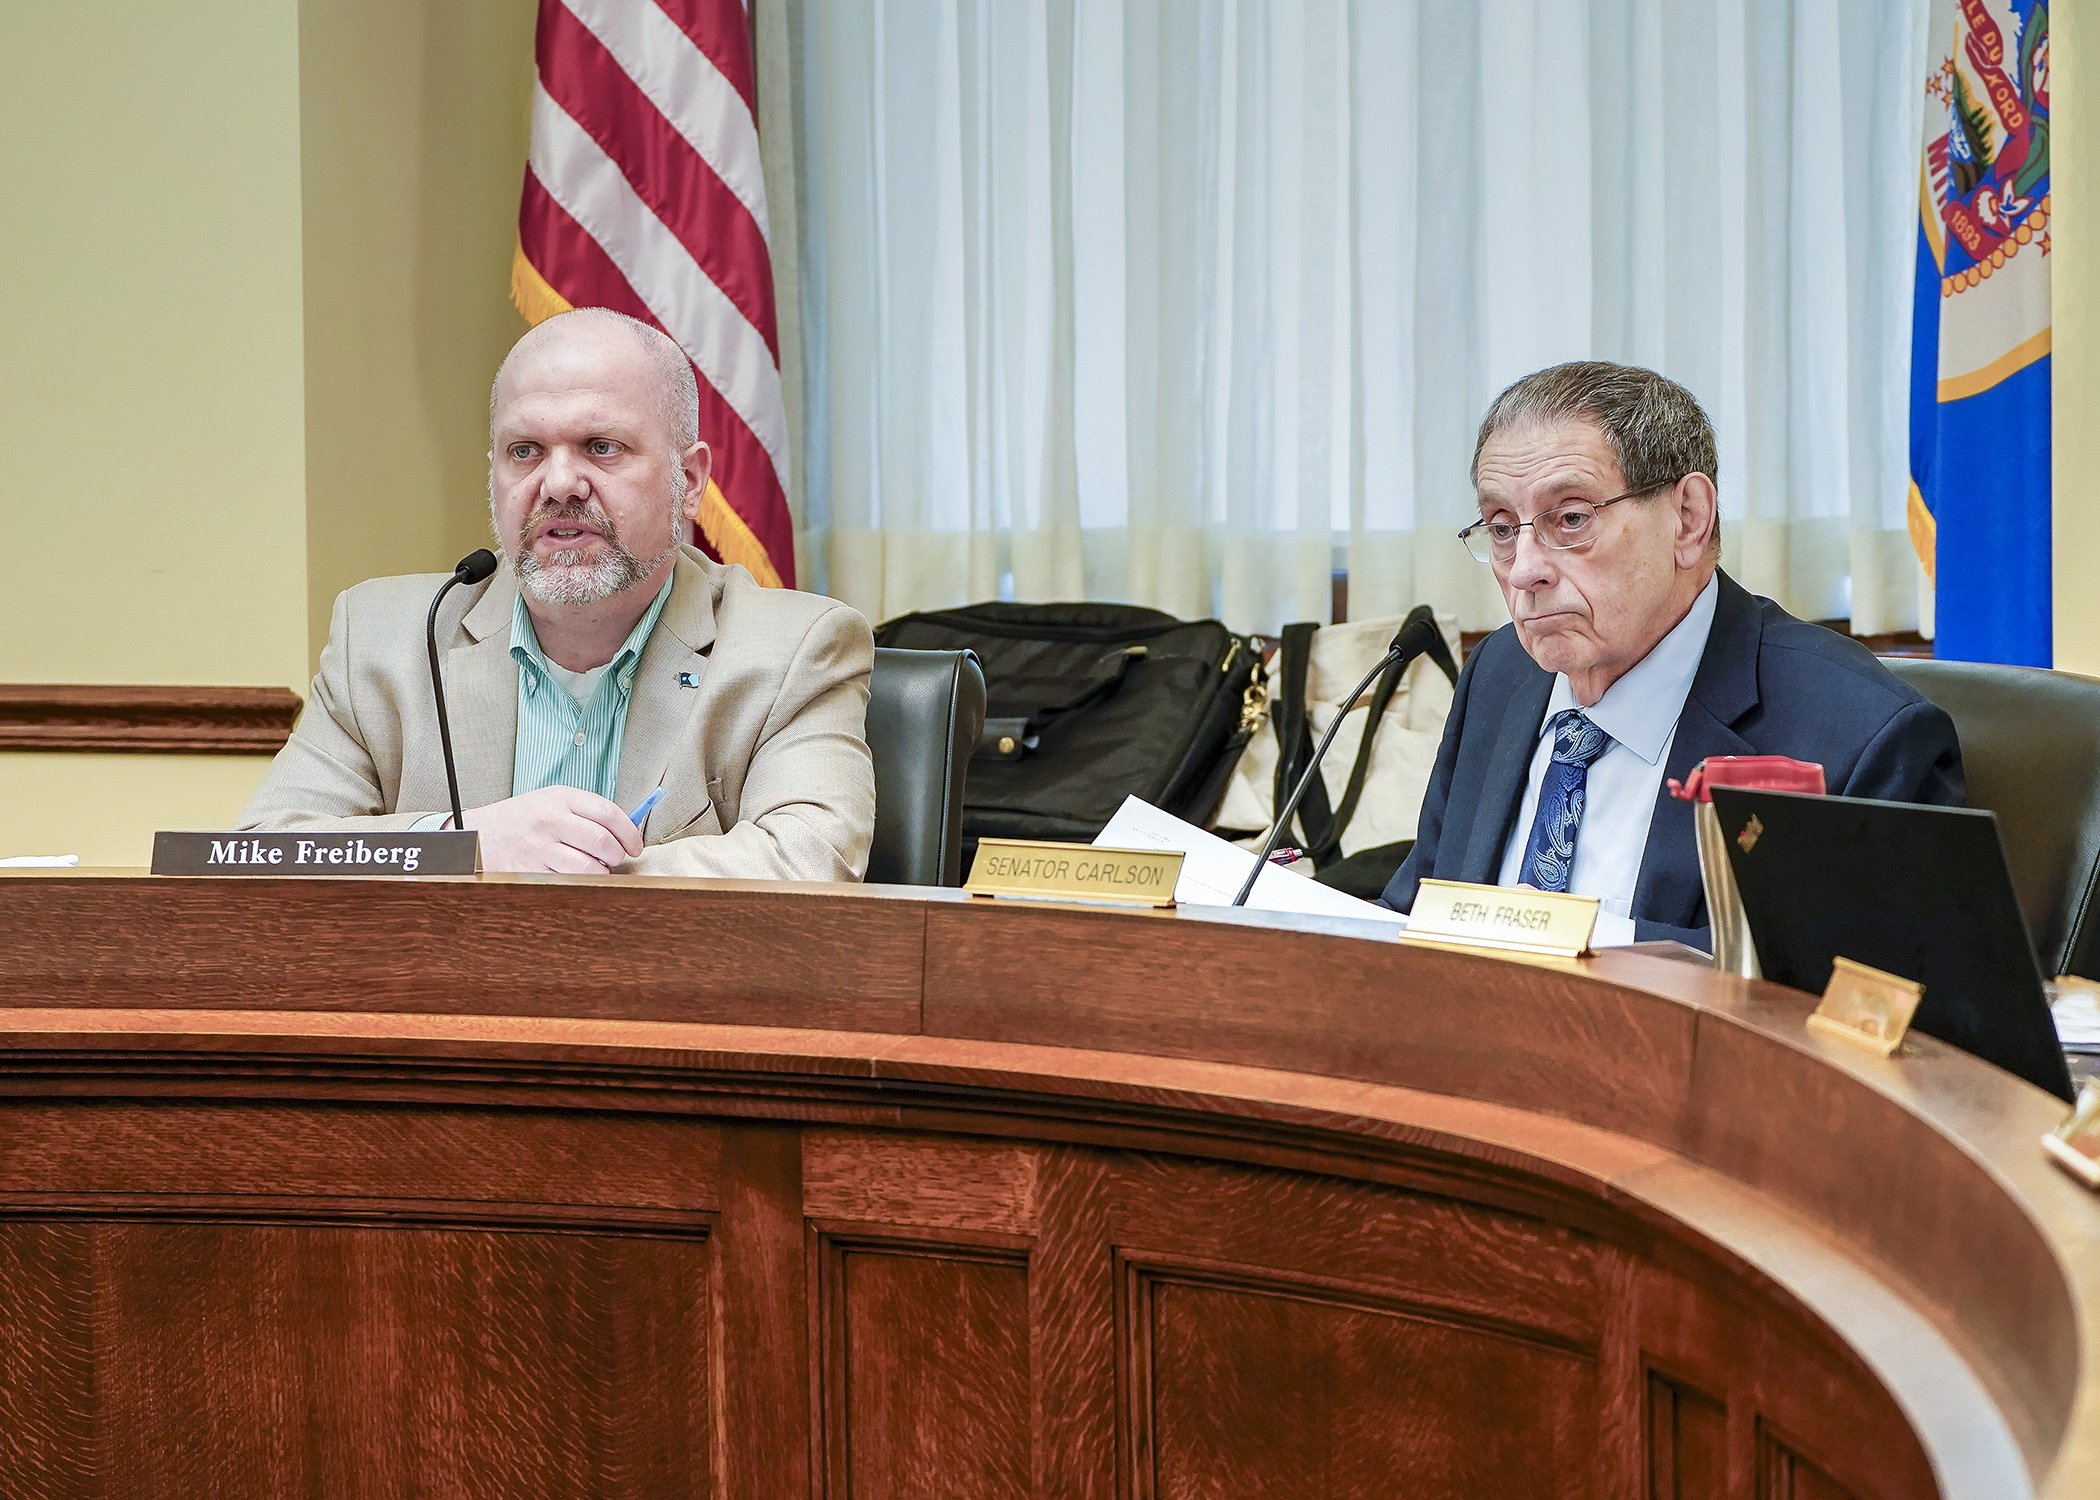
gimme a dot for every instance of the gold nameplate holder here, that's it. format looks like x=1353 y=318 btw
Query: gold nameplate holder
x=2075 y=1144
x=1866 y=1007
x=1074 y=872
x=1502 y=917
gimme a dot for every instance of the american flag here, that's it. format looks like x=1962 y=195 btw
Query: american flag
x=643 y=194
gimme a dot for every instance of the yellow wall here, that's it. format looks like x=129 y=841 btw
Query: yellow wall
x=416 y=121
x=256 y=256
x=2074 y=233
x=150 y=402
x=104 y=808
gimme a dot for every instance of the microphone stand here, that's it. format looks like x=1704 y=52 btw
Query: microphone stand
x=1406 y=646
x=472 y=568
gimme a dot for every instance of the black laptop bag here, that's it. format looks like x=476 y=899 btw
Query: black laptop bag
x=1092 y=703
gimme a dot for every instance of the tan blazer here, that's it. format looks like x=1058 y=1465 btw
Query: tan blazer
x=766 y=766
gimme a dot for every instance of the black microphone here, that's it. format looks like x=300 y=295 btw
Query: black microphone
x=472 y=568
x=1417 y=636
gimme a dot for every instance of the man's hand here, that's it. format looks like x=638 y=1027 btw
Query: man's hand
x=557 y=830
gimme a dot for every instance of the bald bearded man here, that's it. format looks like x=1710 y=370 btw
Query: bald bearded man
x=603 y=659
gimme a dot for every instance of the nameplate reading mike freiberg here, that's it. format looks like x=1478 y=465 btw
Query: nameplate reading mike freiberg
x=1074 y=872
x=453 y=853
x=1501 y=917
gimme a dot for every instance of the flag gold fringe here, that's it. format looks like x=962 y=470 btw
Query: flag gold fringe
x=529 y=290
x=733 y=539
x=1924 y=532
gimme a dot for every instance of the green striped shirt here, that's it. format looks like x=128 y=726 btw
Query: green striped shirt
x=562 y=743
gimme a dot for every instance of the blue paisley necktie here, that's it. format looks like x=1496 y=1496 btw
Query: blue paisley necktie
x=1550 y=855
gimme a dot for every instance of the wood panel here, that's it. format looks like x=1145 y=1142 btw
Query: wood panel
x=762 y=1366
x=1268 y=1331
x=1687 y=1442
x=1942 y=1232
x=1738 y=1367
x=1253 y=1388
x=1072 y=1326
x=1327 y=1335
x=921 y=1247
x=925 y=1368
x=898 y=1179
x=1783 y=1474
x=50 y=1428
x=1265 y=1008
x=214 y=1358
x=278 y=1160
x=162 y=720
x=939 y=1198
x=1441 y=1256
x=440 y=945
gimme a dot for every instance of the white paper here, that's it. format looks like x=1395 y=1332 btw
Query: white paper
x=1613 y=931
x=2076 y=1007
x=1213 y=870
x=44 y=862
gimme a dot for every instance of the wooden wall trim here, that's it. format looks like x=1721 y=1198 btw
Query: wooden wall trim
x=305 y=1210
x=156 y=720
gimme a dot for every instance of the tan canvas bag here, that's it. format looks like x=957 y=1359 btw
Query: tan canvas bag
x=1403 y=749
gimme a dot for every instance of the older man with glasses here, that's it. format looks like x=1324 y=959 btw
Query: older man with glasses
x=1630 y=658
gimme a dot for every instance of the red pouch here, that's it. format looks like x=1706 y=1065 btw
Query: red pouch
x=1766 y=773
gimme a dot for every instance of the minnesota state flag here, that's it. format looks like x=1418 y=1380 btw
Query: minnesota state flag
x=1979 y=394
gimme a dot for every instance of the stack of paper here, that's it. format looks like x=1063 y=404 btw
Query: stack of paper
x=1213 y=870
x=2075 y=1003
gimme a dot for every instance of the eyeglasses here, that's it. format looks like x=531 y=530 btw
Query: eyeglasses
x=1563 y=528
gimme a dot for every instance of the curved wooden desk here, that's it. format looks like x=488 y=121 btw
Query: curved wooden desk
x=569 y=1187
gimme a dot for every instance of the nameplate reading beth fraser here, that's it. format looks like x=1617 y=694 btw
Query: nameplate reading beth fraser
x=453 y=853
x=1501 y=917
x=1074 y=872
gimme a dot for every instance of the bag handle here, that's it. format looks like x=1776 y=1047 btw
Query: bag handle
x=1324 y=824
x=1114 y=670
x=1294 y=739
x=1381 y=695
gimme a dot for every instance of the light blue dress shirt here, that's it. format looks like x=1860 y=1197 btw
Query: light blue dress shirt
x=1640 y=713
x=562 y=742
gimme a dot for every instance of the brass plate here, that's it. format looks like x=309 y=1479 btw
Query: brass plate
x=2075 y=1144
x=1501 y=917
x=1867 y=1007
x=1074 y=872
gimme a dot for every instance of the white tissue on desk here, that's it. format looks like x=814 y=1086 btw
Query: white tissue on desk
x=41 y=862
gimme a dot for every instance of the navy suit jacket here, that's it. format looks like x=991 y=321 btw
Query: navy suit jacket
x=1769 y=684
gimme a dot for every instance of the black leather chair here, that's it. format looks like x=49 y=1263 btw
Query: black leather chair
x=925 y=713
x=2030 y=742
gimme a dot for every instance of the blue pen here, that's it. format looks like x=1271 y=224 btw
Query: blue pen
x=648 y=805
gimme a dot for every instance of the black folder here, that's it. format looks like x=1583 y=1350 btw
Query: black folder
x=1920 y=892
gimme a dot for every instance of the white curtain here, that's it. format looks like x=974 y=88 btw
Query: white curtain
x=1190 y=302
